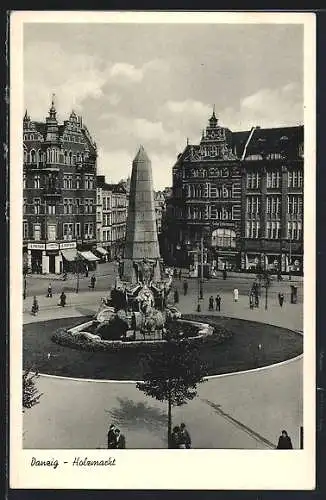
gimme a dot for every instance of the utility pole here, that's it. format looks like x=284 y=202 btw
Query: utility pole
x=290 y=259
x=77 y=269
x=201 y=268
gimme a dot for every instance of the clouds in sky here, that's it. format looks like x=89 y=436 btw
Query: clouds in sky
x=155 y=84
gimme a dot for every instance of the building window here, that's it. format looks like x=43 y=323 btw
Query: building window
x=253 y=204
x=78 y=182
x=37 y=206
x=253 y=180
x=225 y=192
x=25 y=206
x=224 y=238
x=91 y=204
x=65 y=182
x=37 y=184
x=67 y=231
x=294 y=230
x=273 y=205
x=52 y=232
x=65 y=206
x=69 y=182
x=51 y=209
x=295 y=179
x=273 y=179
x=77 y=230
x=77 y=204
x=70 y=205
x=295 y=204
x=37 y=232
x=253 y=229
x=273 y=230
x=88 y=230
x=25 y=230
x=24 y=181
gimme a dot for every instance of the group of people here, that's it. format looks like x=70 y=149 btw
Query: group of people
x=180 y=437
x=116 y=439
x=217 y=303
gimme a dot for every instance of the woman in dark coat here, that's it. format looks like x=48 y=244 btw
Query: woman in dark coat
x=284 y=442
x=175 y=438
x=63 y=299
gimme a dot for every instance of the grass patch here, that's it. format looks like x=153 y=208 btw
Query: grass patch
x=240 y=352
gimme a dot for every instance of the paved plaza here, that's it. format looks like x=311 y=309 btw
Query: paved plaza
x=240 y=410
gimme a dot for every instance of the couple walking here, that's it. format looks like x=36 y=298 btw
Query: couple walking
x=180 y=438
x=115 y=438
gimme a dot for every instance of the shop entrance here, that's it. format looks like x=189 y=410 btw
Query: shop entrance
x=52 y=264
x=36 y=263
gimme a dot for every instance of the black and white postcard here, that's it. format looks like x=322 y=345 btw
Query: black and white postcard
x=162 y=250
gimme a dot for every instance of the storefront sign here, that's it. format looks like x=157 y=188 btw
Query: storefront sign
x=70 y=244
x=52 y=246
x=36 y=246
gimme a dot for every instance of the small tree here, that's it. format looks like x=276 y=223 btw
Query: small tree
x=31 y=394
x=172 y=375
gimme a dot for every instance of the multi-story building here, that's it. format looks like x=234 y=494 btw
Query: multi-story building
x=240 y=195
x=59 y=174
x=111 y=216
x=272 y=198
x=160 y=206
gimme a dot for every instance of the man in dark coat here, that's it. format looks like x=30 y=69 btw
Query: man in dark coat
x=218 y=302
x=211 y=303
x=112 y=436
x=185 y=436
x=93 y=281
x=281 y=299
x=185 y=287
x=284 y=442
x=175 y=438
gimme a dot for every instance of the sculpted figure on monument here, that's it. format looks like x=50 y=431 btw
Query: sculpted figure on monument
x=145 y=271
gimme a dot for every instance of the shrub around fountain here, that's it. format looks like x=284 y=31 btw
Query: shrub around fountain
x=195 y=331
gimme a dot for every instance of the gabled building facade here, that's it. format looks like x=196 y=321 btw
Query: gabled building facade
x=59 y=192
x=240 y=195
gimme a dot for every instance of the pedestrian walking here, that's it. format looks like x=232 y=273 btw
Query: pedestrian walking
x=256 y=299
x=35 y=306
x=224 y=274
x=49 y=291
x=93 y=282
x=86 y=271
x=281 y=299
x=251 y=300
x=236 y=295
x=112 y=436
x=63 y=298
x=175 y=438
x=120 y=439
x=185 y=287
x=284 y=442
x=185 y=438
x=180 y=275
x=176 y=296
x=218 y=302
x=211 y=303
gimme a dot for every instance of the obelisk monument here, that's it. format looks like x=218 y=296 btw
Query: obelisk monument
x=141 y=233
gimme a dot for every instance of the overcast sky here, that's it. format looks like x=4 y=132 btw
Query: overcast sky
x=156 y=84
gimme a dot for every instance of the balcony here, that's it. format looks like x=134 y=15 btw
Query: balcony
x=54 y=167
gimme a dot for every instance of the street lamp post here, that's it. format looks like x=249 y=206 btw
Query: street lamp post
x=290 y=259
x=201 y=294
x=77 y=270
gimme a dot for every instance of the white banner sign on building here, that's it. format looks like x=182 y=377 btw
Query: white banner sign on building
x=70 y=244
x=36 y=246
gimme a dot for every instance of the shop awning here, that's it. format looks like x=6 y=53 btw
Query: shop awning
x=69 y=254
x=88 y=255
x=101 y=250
